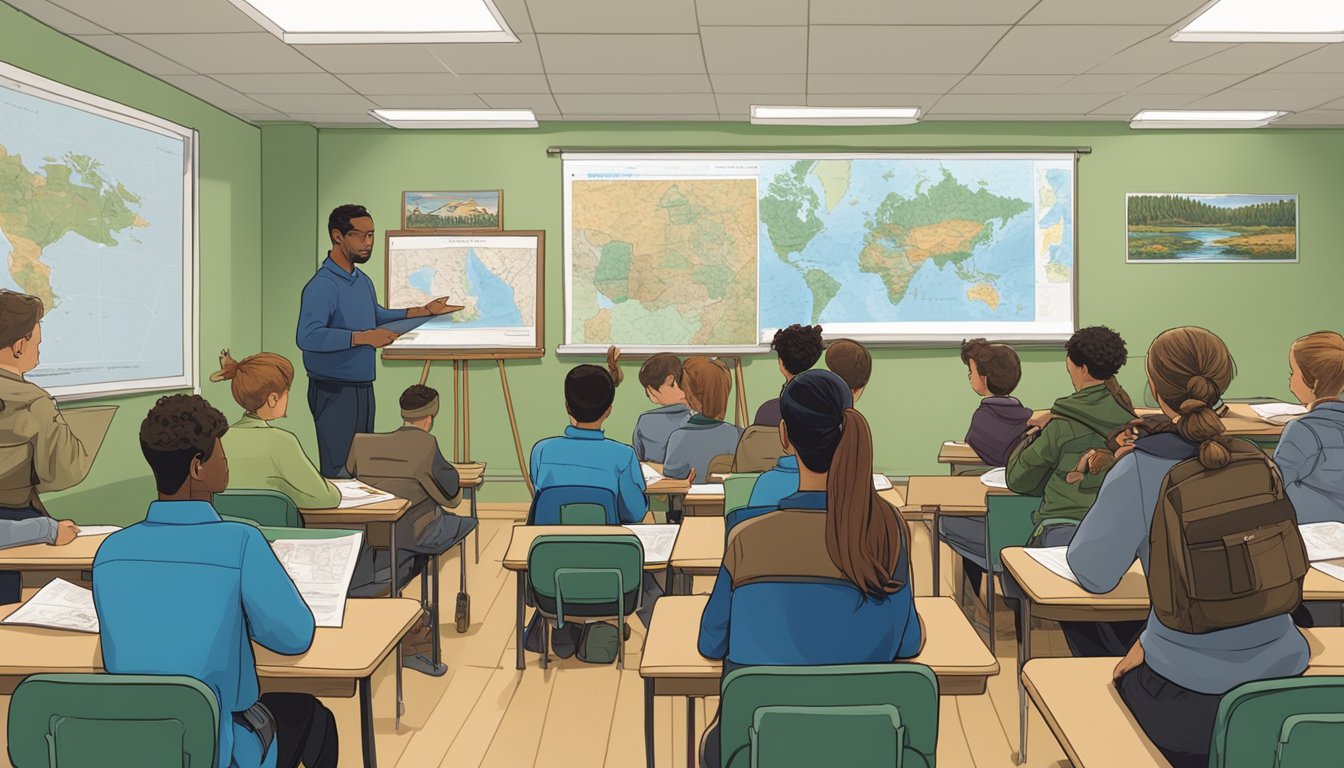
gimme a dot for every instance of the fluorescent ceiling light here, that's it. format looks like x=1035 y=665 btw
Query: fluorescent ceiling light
x=1259 y=21
x=1187 y=118
x=456 y=118
x=834 y=115
x=305 y=22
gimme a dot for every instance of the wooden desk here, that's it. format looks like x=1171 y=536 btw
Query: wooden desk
x=699 y=547
x=470 y=478
x=962 y=459
x=384 y=515
x=339 y=660
x=667 y=486
x=711 y=504
x=958 y=495
x=75 y=556
x=1240 y=421
x=671 y=665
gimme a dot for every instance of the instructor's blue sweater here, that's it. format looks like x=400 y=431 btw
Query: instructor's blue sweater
x=334 y=306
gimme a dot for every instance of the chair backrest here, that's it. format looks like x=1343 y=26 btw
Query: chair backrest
x=1284 y=723
x=737 y=490
x=863 y=690
x=266 y=507
x=590 y=571
x=719 y=465
x=573 y=505
x=1008 y=523
x=74 y=721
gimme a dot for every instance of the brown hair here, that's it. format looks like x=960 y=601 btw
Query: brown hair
x=707 y=383
x=1190 y=369
x=19 y=315
x=654 y=372
x=863 y=532
x=851 y=361
x=998 y=363
x=1320 y=358
x=255 y=378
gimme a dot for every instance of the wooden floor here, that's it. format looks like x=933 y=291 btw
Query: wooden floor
x=484 y=712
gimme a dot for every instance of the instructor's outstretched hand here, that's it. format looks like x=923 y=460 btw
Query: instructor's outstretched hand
x=441 y=307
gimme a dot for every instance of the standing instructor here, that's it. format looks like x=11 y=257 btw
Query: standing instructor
x=338 y=332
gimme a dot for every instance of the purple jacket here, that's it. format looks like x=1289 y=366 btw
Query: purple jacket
x=996 y=426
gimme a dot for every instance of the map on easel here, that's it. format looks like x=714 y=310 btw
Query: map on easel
x=496 y=277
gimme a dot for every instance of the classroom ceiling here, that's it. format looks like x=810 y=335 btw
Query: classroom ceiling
x=713 y=59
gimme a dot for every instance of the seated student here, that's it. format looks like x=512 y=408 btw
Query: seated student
x=706 y=435
x=184 y=593
x=823 y=577
x=799 y=348
x=1172 y=680
x=661 y=377
x=852 y=362
x=1310 y=453
x=264 y=456
x=408 y=464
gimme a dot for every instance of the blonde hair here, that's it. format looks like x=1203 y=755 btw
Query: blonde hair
x=1190 y=369
x=1320 y=358
x=707 y=383
x=255 y=378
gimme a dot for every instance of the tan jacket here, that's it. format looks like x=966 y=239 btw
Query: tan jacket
x=408 y=464
x=758 y=450
x=38 y=451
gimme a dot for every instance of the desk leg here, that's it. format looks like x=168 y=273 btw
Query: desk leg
x=436 y=645
x=476 y=534
x=518 y=629
x=394 y=583
x=670 y=576
x=401 y=706
x=690 y=732
x=366 y=722
x=648 y=722
x=989 y=585
x=1023 y=656
x=935 y=537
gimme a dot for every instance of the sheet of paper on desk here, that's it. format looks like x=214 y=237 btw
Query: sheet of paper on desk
x=321 y=569
x=995 y=478
x=881 y=482
x=1325 y=541
x=657 y=541
x=357 y=494
x=59 y=605
x=97 y=530
x=706 y=489
x=1334 y=568
x=651 y=475
x=1278 y=413
x=1054 y=559
x=956 y=444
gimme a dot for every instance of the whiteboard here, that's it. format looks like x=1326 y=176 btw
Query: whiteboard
x=713 y=252
x=98 y=218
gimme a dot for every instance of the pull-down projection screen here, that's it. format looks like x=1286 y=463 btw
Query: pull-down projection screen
x=714 y=252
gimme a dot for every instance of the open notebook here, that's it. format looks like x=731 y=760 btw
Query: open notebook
x=1278 y=413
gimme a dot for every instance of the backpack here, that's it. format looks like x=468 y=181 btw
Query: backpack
x=1225 y=548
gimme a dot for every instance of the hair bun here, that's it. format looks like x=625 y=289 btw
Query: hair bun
x=228 y=367
x=1191 y=406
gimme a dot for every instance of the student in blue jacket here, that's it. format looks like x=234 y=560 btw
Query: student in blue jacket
x=784 y=596
x=184 y=593
x=1310 y=453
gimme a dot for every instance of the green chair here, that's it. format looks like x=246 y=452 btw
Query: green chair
x=79 y=721
x=1295 y=722
x=585 y=579
x=1007 y=524
x=737 y=490
x=265 y=507
x=855 y=715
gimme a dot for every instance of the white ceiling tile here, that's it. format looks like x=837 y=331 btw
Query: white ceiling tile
x=921 y=100
x=426 y=101
x=537 y=102
x=794 y=83
x=1240 y=98
x=215 y=93
x=752 y=12
x=740 y=104
x=755 y=50
x=521 y=57
x=1328 y=58
x=363 y=59
x=614 y=16
x=865 y=83
x=912 y=50
x=135 y=54
x=1295 y=81
x=1128 y=12
x=1187 y=83
x=919 y=12
x=137 y=16
x=629 y=83
x=1249 y=58
x=320 y=82
x=992 y=84
x=1059 y=50
x=1103 y=83
x=335 y=121
x=637 y=104
x=444 y=82
x=1157 y=56
x=622 y=54
x=1023 y=104
x=223 y=54
x=515 y=15
x=1318 y=118
x=1133 y=103
x=57 y=17
x=316 y=103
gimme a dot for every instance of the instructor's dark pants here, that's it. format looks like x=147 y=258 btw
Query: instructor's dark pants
x=341 y=410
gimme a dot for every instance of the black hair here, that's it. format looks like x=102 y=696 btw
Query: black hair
x=1099 y=349
x=176 y=431
x=342 y=214
x=813 y=405
x=417 y=396
x=798 y=346
x=589 y=392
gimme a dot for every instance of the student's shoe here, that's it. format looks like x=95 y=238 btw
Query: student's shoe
x=565 y=642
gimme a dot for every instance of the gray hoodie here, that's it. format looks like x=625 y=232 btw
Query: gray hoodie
x=1310 y=456
x=654 y=428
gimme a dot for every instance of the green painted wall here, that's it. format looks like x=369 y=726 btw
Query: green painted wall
x=918 y=397
x=119 y=486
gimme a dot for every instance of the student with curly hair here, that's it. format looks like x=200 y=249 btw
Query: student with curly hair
x=799 y=348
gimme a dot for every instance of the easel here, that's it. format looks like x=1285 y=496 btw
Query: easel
x=741 y=418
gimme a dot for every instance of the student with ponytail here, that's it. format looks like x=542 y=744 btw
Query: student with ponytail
x=823 y=577
x=1310 y=454
x=1172 y=680
x=262 y=456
